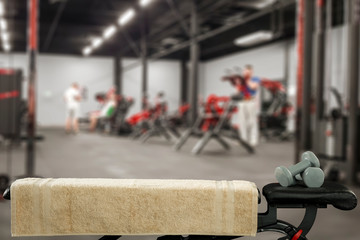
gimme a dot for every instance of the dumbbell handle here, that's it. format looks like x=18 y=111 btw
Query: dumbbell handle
x=299 y=167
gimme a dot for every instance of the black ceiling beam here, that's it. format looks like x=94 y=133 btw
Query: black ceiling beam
x=161 y=29
x=212 y=33
x=75 y=40
x=176 y=13
x=131 y=42
x=205 y=12
x=113 y=14
x=70 y=28
x=159 y=25
x=54 y=25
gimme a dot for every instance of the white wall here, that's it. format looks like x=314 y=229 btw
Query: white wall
x=55 y=74
x=336 y=64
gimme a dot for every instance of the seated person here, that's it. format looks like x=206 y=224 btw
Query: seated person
x=105 y=112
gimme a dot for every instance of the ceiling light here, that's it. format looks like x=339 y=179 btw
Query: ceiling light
x=3 y=24
x=86 y=51
x=144 y=3
x=6 y=47
x=5 y=36
x=170 y=41
x=2 y=9
x=109 y=32
x=96 y=42
x=254 y=38
x=256 y=4
x=126 y=17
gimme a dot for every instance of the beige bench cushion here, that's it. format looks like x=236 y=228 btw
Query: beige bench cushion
x=46 y=207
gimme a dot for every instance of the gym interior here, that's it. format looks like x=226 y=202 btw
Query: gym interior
x=179 y=120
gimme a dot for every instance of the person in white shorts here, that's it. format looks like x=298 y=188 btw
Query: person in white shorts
x=72 y=98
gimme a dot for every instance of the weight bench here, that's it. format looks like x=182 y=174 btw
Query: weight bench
x=159 y=125
x=220 y=130
x=223 y=128
x=202 y=210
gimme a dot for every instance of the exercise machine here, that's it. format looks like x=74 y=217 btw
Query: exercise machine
x=10 y=116
x=163 y=125
x=124 y=104
x=214 y=123
x=333 y=132
x=158 y=125
x=179 y=118
x=275 y=111
x=115 y=123
x=139 y=124
x=10 y=103
x=153 y=120
x=330 y=128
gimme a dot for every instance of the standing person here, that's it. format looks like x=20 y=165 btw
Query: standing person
x=248 y=120
x=72 y=98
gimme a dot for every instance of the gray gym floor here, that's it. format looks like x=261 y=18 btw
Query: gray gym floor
x=101 y=156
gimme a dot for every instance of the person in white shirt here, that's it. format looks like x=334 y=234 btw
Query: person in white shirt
x=72 y=98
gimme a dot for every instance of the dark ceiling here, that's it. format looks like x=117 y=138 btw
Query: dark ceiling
x=66 y=27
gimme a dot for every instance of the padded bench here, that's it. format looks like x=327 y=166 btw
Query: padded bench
x=232 y=196
x=301 y=196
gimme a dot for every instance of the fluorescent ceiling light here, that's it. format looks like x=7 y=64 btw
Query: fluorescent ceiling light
x=145 y=3
x=109 y=32
x=170 y=41
x=5 y=36
x=2 y=9
x=254 y=38
x=6 y=47
x=126 y=17
x=86 y=51
x=3 y=24
x=96 y=42
x=256 y=4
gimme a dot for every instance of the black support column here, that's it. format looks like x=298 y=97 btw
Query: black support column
x=184 y=83
x=144 y=72
x=144 y=61
x=118 y=74
x=305 y=22
x=307 y=87
x=31 y=120
x=194 y=62
x=319 y=63
x=319 y=73
x=353 y=70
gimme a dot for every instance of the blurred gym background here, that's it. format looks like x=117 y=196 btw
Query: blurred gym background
x=160 y=89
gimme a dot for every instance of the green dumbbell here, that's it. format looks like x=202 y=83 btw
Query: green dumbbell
x=286 y=176
x=313 y=177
